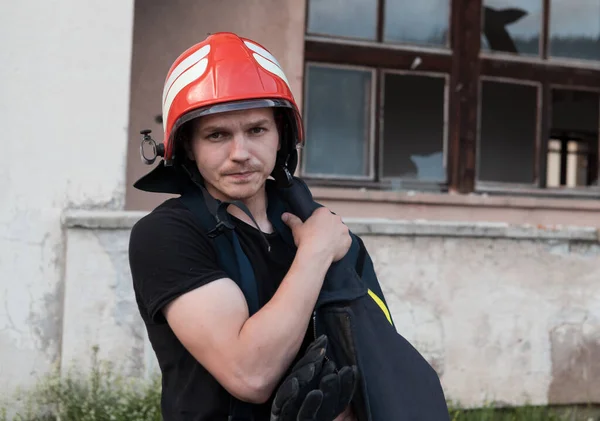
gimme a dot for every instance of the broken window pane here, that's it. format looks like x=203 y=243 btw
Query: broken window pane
x=512 y=26
x=572 y=159
x=413 y=127
x=338 y=121
x=343 y=18
x=575 y=29
x=507 y=134
x=422 y=22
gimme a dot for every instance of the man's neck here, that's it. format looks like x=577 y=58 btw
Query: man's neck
x=257 y=205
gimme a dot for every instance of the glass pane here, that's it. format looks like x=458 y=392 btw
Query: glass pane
x=422 y=22
x=507 y=132
x=512 y=26
x=572 y=159
x=575 y=29
x=343 y=18
x=413 y=132
x=338 y=121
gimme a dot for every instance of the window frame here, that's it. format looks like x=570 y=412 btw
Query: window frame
x=372 y=125
x=465 y=65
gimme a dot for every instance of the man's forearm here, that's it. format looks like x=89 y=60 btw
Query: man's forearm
x=272 y=337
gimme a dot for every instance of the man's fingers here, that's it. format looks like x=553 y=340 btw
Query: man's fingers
x=291 y=220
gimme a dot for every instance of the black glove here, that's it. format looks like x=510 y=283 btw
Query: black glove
x=304 y=377
x=333 y=396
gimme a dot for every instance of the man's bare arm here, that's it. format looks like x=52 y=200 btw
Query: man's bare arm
x=249 y=355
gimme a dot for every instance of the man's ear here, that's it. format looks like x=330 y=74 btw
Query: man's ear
x=189 y=153
x=186 y=138
x=278 y=117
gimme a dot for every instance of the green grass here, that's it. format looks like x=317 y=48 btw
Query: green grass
x=99 y=395
x=104 y=395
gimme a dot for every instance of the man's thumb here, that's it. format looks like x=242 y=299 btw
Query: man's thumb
x=291 y=220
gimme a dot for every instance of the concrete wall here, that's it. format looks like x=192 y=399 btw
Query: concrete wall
x=504 y=313
x=164 y=29
x=63 y=111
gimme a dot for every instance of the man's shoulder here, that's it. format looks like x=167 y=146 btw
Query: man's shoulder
x=167 y=212
x=169 y=221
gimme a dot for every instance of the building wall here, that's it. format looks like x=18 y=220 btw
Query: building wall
x=64 y=114
x=163 y=30
x=504 y=313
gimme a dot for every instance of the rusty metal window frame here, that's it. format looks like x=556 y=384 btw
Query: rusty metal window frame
x=465 y=64
x=549 y=73
x=381 y=57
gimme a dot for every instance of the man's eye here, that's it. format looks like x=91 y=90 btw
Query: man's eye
x=215 y=135
x=257 y=130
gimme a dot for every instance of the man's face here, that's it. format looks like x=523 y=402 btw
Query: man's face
x=235 y=151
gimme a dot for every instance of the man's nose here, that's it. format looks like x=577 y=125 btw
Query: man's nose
x=239 y=148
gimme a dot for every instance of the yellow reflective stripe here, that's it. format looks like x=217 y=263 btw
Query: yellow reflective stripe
x=381 y=305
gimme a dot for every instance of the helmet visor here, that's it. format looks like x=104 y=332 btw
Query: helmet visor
x=230 y=106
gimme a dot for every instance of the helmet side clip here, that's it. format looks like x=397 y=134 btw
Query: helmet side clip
x=156 y=150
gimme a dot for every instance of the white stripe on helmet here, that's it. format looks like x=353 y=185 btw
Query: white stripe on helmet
x=182 y=81
x=183 y=66
x=258 y=49
x=271 y=67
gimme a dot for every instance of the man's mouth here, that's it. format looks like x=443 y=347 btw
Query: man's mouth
x=240 y=175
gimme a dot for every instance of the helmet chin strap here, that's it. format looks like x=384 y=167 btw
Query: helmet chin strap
x=282 y=176
x=218 y=208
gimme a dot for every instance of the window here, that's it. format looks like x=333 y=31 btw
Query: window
x=413 y=127
x=376 y=83
x=345 y=130
x=507 y=131
x=462 y=95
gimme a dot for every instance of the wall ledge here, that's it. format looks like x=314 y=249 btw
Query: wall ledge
x=422 y=228
x=106 y=219
x=101 y=219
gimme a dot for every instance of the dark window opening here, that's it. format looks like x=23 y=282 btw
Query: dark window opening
x=508 y=131
x=413 y=127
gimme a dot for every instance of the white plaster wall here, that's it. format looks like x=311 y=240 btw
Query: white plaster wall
x=63 y=111
x=100 y=307
x=509 y=314
x=484 y=312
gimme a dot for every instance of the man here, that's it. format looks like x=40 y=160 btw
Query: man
x=230 y=123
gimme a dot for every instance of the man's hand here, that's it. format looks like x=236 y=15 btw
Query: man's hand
x=323 y=233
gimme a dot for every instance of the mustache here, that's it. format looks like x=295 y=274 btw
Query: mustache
x=240 y=170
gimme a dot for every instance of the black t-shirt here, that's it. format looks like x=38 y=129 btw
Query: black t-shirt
x=170 y=255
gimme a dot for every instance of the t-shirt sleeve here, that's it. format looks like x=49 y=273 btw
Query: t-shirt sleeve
x=169 y=255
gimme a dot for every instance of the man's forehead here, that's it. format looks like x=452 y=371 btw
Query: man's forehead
x=239 y=117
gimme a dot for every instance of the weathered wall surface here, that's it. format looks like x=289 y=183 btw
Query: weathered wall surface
x=505 y=314
x=63 y=111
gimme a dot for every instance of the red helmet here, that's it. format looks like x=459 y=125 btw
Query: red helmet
x=223 y=73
